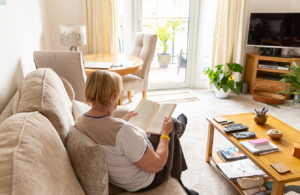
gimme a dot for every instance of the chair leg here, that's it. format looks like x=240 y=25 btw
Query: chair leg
x=129 y=96
x=144 y=94
x=120 y=101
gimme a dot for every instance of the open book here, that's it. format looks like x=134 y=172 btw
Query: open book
x=151 y=115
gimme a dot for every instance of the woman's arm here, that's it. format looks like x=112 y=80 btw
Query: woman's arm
x=153 y=162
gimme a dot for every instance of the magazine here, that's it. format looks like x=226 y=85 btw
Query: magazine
x=231 y=153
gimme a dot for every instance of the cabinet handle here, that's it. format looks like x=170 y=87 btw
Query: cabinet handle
x=270 y=85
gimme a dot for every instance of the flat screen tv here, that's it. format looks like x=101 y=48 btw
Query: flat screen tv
x=275 y=30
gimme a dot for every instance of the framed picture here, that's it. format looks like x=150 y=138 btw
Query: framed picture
x=2 y=2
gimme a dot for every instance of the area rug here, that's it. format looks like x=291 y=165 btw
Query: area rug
x=172 y=97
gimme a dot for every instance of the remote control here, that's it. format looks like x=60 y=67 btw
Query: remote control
x=235 y=127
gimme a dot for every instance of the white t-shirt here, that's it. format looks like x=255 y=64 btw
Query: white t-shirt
x=122 y=144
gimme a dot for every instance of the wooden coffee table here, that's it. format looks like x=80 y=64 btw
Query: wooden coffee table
x=286 y=144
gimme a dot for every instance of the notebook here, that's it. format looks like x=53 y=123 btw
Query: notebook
x=261 y=148
x=104 y=65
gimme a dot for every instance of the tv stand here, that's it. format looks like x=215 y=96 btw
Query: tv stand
x=262 y=76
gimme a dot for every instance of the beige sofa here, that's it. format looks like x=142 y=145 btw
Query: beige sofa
x=42 y=153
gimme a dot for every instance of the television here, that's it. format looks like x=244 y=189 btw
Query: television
x=274 y=30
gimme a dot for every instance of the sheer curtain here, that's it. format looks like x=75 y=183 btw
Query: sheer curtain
x=229 y=34
x=101 y=20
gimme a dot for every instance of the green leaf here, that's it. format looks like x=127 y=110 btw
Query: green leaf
x=225 y=88
x=219 y=66
x=230 y=84
x=236 y=67
x=221 y=75
x=274 y=105
x=294 y=63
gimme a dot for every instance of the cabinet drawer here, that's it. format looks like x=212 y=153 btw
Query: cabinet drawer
x=269 y=85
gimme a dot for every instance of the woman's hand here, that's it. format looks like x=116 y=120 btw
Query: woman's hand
x=129 y=115
x=167 y=126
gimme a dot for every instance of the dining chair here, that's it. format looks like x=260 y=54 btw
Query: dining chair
x=68 y=64
x=144 y=47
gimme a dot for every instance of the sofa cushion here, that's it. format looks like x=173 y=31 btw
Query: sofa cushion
x=69 y=88
x=42 y=90
x=171 y=186
x=8 y=110
x=88 y=161
x=33 y=160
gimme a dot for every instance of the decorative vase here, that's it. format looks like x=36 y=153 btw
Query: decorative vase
x=260 y=118
x=164 y=60
x=221 y=94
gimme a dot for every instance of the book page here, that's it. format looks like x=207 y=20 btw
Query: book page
x=146 y=110
x=165 y=110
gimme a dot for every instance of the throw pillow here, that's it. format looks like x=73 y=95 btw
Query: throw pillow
x=79 y=108
x=42 y=90
x=33 y=160
x=88 y=161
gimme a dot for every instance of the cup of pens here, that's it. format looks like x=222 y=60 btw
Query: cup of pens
x=260 y=116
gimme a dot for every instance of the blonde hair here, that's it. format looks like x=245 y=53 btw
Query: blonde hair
x=100 y=85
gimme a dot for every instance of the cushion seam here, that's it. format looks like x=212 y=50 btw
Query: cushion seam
x=45 y=73
x=15 y=151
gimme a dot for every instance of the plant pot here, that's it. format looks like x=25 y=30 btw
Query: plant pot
x=164 y=60
x=221 y=94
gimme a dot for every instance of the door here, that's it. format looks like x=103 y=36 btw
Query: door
x=169 y=19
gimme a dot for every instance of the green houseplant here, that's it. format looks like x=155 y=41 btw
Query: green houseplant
x=223 y=80
x=294 y=79
x=165 y=33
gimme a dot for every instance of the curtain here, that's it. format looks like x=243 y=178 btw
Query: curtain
x=101 y=20
x=229 y=34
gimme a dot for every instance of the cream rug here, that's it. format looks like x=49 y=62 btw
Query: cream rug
x=171 y=97
x=201 y=176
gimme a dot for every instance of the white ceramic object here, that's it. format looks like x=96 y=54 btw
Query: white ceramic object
x=221 y=94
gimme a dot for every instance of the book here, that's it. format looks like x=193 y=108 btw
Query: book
x=220 y=119
x=104 y=65
x=231 y=153
x=151 y=115
x=260 y=149
x=259 y=142
x=254 y=190
x=239 y=168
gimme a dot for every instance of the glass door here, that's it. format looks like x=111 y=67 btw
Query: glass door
x=169 y=19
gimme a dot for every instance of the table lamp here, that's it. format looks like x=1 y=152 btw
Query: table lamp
x=73 y=35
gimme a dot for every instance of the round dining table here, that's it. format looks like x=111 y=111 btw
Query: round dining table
x=112 y=57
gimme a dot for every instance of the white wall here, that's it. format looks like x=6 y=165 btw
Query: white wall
x=61 y=12
x=23 y=29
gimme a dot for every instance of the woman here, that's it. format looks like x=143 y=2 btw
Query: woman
x=134 y=162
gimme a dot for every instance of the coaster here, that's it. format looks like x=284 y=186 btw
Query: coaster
x=280 y=168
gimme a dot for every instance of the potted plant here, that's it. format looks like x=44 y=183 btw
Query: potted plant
x=223 y=80
x=294 y=79
x=165 y=33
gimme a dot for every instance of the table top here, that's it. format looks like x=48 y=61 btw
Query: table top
x=112 y=57
x=286 y=144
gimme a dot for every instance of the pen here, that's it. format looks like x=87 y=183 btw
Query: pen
x=266 y=111
x=227 y=123
x=262 y=110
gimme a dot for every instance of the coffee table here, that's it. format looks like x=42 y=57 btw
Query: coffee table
x=286 y=144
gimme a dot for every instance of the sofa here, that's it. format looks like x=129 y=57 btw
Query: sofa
x=41 y=152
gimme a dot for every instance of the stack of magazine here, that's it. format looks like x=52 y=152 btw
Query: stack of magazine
x=239 y=168
x=266 y=148
x=230 y=153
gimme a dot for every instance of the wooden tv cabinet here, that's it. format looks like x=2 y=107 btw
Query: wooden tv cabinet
x=260 y=77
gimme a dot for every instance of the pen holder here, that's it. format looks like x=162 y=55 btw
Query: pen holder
x=260 y=118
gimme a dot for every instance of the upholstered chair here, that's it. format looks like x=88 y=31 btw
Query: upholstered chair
x=68 y=64
x=144 y=47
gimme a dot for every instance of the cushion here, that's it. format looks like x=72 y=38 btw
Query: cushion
x=132 y=82
x=42 y=90
x=8 y=110
x=171 y=186
x=69 y=88
x=88 y=161
x=33 y=160
x=79 y=108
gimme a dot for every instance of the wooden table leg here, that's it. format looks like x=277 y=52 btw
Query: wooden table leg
x=277 y=188
x=210 y=140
